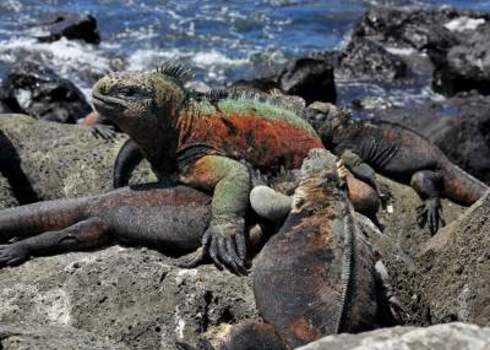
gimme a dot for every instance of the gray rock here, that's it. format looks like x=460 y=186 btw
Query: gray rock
x=133 y=297
x=454 y=268
x=62 y=160
x=38 y=337
x=446 y=336
x=6 y=197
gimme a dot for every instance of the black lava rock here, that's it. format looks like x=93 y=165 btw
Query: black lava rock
x=466 y=66
x=363 y=58
x=310 y=78
x=73 y=27
x=37 y=90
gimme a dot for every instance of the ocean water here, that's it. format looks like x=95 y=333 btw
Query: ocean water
x=221 y=40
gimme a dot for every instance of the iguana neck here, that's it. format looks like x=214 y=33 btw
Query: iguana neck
x=159 y=147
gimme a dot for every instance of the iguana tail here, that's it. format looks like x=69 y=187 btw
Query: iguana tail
x=460 y=186
x=31 y=219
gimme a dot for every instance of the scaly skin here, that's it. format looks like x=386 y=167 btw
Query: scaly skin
x=317 y=275
x=400 y=154
x=171 y=220
x=205 y=143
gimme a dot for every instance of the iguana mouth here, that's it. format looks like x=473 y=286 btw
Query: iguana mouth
x=104 y=103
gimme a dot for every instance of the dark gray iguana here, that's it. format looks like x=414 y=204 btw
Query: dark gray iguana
x=398 y=153
x=317 y=275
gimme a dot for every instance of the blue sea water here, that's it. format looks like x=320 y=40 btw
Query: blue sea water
x=222 y=40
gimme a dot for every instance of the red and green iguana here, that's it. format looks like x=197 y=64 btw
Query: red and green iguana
x=206 y=144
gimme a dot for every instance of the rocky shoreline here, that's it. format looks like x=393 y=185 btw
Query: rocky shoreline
x=132 y=298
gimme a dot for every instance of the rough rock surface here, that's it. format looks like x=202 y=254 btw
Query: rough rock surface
x=460 y=126
x=466 y=66
x=131 y=296
x=37 y=90
x=363 y=58
x=37 y=337
x=62 y=160
x=447 y=336
x=399 y=244
x=454 y=268
x=73 y=27
x=420 y=29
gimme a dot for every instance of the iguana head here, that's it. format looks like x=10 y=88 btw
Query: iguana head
x=325 y=118
x=140 y=101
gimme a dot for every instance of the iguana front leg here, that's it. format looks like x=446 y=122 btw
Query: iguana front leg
x=224 y=240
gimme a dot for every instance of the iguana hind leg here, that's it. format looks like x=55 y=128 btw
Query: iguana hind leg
x=428 y=185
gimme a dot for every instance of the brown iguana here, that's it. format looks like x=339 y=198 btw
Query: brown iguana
x=317 y=275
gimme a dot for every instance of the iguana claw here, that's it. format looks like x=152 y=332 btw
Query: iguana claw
x=226 y=245
x=430 y=214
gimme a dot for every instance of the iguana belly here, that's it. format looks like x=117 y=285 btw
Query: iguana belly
x=265 y=143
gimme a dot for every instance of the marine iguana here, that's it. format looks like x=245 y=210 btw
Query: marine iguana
x=169 y=219
x=398 y=153
x=204 y=143
x=317 y=275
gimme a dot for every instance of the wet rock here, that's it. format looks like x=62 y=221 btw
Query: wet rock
x=310 y=78
x=458 y=126
x=72 y=27
x=37 y=90
x=132 y=297
x=453 y=335
x=454 y=268
x=466 y=66
x=39 y=337
x=7 y=199
x=365 y=59
x=60 y=160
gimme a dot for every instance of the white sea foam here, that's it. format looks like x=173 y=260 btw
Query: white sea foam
x=67 y=58
x=464 y=23
x=214 y=57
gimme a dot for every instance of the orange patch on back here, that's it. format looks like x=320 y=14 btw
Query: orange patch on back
x=265 y=143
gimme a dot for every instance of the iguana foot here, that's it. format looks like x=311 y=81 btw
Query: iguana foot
x=106 y=132
x=430 y=214
x=225 y=244
x=13 y=254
